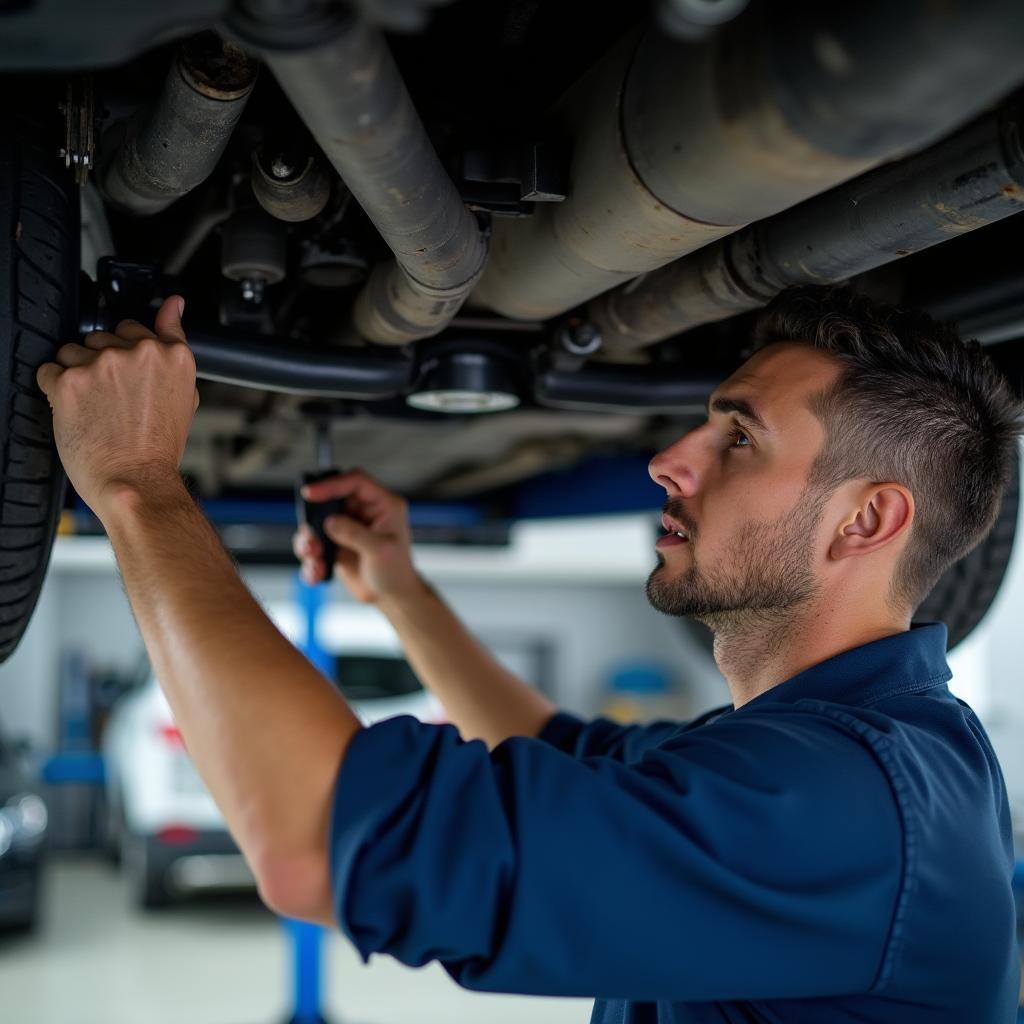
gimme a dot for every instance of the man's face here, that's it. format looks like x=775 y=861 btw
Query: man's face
x=736 y=486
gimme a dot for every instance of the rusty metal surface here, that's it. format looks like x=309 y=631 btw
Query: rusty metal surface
x=299 y=196
x=974 y=178
x=676 y=146
x=724 y=152
x=393 y=309
x=215 y=67
x=352 y=98
x=165 y=151
x=610 y=227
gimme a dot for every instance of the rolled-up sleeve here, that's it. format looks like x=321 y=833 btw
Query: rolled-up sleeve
x=753 y=859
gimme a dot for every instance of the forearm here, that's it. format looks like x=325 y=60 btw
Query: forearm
x=481 y=697
x=265 y=729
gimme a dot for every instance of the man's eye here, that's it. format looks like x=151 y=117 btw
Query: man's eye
x=735 y=436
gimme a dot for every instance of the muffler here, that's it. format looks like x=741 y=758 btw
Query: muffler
x=677 y=145
x=163 y=153
x=974 y=178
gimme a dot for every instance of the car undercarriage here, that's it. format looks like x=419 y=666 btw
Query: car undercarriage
x=482 y=242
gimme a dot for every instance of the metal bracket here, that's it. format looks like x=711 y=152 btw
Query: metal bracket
x=507 y=182
x=125 y=289
x=79 y=109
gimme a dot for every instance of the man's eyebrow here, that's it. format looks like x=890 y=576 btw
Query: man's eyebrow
x=742 y=407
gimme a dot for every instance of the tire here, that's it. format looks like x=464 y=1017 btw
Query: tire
x=153 y=893
x=39 y=264
x=30 y=922
x=113 y=827
x=147 y=874
x=27 y=921
x=966 y=591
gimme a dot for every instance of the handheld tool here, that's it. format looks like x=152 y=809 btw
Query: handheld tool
x=314 y=513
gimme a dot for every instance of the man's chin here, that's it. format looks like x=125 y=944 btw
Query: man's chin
x=665 y=595
x=679 y=598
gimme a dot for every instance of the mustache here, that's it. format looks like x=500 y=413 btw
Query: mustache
x=675 y=509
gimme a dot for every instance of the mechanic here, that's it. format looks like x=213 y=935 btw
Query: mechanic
x=834 y=846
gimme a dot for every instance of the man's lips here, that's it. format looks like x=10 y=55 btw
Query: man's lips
x=670 y=540
x=672 y=526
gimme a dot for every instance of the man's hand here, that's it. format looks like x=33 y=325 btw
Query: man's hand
x=122 y=406
x=373 y=537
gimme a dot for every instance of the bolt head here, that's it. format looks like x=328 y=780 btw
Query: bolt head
x=580 y=339
x=252 y=289
x=280 y=168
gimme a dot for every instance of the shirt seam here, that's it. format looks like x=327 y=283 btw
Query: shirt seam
x=918 y=684
x=880 y=747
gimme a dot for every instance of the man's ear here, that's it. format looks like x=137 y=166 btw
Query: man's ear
x=883 y=514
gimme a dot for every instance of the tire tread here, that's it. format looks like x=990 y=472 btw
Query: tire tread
x=38 y=307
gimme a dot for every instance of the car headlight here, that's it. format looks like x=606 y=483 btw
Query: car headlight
x=23 y=821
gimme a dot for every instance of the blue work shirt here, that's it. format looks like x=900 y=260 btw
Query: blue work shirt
x=837 y=849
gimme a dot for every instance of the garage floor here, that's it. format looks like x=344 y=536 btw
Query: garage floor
x=97 y=960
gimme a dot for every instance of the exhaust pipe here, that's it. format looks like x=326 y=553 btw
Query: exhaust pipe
x=350 y=95
x=280 y=366
x=676 y=146
x=974 y=178
x=158 y=157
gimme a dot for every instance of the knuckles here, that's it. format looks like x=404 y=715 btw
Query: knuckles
x=115 y=363
x=147 y=349
x=96 y=337
x=153 y=351
x=65 y=352
x=73 y=378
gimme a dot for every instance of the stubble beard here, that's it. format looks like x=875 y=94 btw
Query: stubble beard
x=768 y=578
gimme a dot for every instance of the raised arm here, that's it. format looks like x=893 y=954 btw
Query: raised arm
x=265 y=729
x=482 y=698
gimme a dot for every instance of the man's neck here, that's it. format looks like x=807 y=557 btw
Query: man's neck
x=755 y=651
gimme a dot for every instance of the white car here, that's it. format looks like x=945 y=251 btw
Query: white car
x=162 y=822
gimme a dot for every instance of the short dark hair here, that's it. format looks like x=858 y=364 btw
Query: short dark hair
x=913 y=404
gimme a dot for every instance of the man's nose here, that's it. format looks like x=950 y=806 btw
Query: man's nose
x=675 y=467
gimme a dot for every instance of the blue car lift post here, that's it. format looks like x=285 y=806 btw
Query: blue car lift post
x=307 y=939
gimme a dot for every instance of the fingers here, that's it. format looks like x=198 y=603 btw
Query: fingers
x=354 y=484
x=350 y=533
x=312 y=571
x=167 y=324
x=355 y=541
x=128 y=333
x=98 y=340
x=132 y=331
x=166 y=327
x=47 y=376
x=343 y=530
x=309 y=551
x=74 y=355
x=306 y=545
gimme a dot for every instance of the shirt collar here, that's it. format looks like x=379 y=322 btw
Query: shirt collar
x=912 y=660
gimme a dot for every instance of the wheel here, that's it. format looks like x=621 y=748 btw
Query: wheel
x=28 y=920
x=147 y=874
x=38 y=312
x=113 y=826
x=967 y=589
